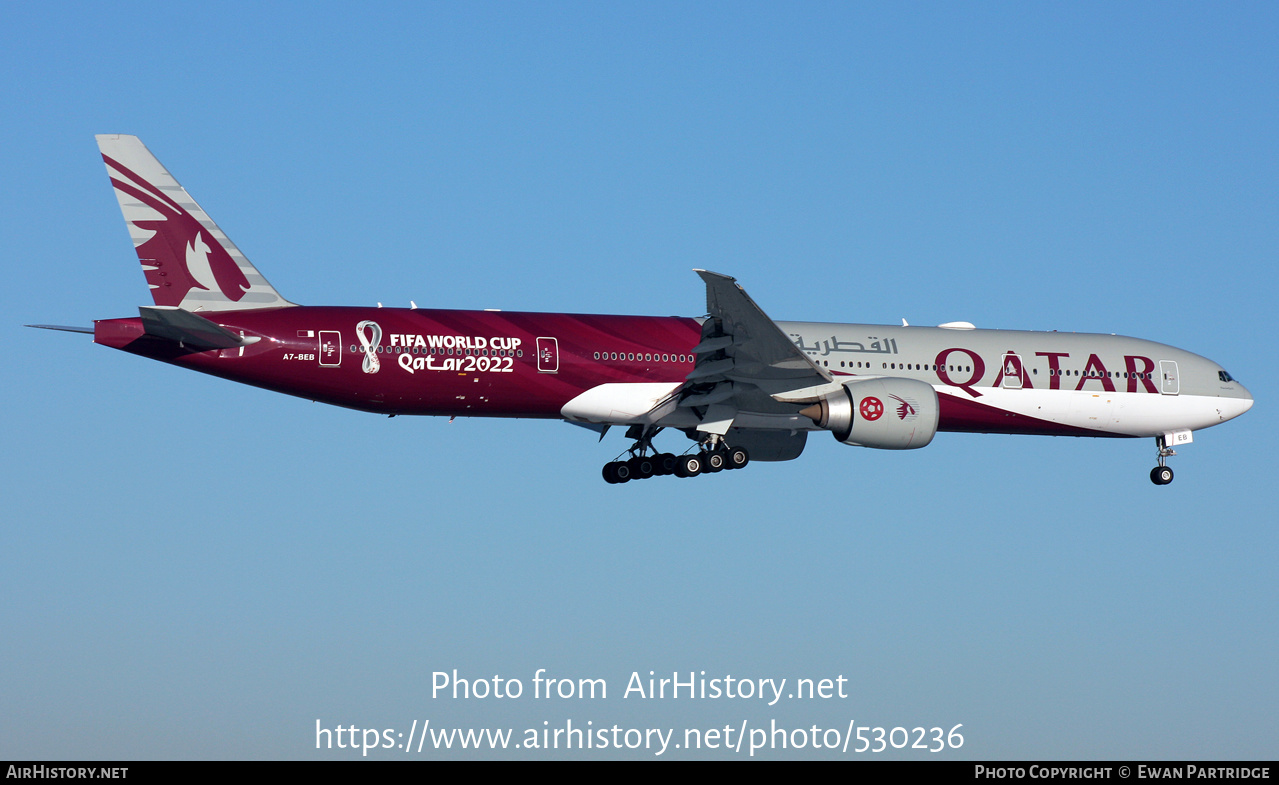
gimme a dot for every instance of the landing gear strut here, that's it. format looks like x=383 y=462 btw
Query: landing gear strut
x=645 y=461
x=1162 y=474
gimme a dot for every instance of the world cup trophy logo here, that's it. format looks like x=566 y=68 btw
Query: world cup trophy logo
x=369 y=343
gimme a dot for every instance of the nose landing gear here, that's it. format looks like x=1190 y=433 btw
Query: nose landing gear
x=1162 y=474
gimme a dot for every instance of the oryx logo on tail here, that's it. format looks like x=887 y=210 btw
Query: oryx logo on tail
x=176 y=258
x=187 y=260
x=201 y=268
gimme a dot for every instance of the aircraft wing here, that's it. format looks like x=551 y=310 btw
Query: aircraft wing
x=760 y=351
x=743 y=361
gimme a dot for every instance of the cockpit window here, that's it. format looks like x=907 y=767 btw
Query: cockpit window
x=1225 y=377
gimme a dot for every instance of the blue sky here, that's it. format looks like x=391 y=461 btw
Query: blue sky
x=195 y=569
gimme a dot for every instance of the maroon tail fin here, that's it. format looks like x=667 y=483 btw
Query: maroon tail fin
x=188 y=261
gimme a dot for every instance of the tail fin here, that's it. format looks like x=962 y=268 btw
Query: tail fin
x=187 y=260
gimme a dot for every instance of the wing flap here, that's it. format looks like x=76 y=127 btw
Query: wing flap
x=742 y=360
x=759 y=348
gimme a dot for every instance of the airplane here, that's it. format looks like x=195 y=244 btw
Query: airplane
x=740 y=386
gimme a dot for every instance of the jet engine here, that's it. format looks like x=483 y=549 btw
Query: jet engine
x=887 y=413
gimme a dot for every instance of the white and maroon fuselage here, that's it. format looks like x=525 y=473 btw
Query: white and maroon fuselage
x=743 y=386
x=514 y=364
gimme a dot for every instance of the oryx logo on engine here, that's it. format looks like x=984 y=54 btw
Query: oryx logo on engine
x=905 y=408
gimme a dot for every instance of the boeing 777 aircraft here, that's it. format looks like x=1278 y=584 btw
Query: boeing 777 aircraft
x=740 y=386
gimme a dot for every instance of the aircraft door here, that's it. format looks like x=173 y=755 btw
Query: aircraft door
x=1011 y=374
x=548 y=355
x=1169 y=383
x=330 y=353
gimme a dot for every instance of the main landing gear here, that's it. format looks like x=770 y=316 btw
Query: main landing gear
x=713 y=456
x=1162 y=474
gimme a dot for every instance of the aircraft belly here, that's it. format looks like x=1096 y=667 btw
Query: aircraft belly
x=1153 y=415
x=1071 y=413
x=621 y=403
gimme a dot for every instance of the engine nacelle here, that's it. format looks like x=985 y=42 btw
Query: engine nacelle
x=887 y=413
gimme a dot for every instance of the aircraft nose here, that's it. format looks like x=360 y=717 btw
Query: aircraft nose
x=1238 y=403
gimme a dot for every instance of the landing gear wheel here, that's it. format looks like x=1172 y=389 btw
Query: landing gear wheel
x=1161 y=475
x=688 y=465
x=641 y=467
x=737 y=458
x=664 y=463
x=622 y=471
x=716 y=461
x=610 y=473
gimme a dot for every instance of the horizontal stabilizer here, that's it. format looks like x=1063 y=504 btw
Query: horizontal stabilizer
x=187 y=329
x=85 y=330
